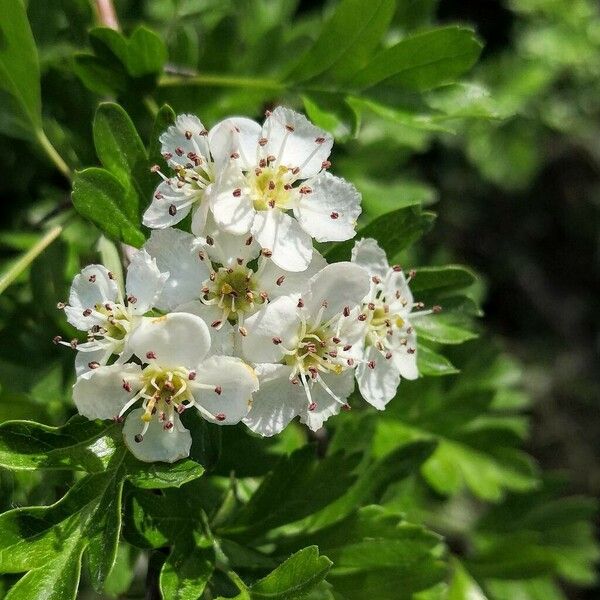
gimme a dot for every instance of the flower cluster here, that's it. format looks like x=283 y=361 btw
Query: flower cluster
x=241 y=319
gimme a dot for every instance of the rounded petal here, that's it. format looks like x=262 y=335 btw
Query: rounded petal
x=233 y=383
x=144 y=282
x=329 y=212
x=173 y=340
x=404 y=352
x=101 y=393
x=397 y=293
x=278 y=320
x=290 y=246
x=175 y=252
x=170 y=205
x=94 y=285
x=228 y=249
x=231 y=203
x=222 y=339
x=341 y=385
x=91 y=353
x=277 y=282
x=201 y=213
x=296 y=142
x=186 y=136
x=277 y=401
x=158 y=444
x=367 y=254
x=235 y=139
x=377 y=386
x=339 y=285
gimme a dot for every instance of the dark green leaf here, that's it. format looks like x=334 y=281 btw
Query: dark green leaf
x=394 y=231
x=187 y=569
x=294 y=578
x=346 y=41
x=121 y=151
x=79 y=445
x=281 y=497
x=19 y=68
x=146 y=52
x=422 y=61
x=101 y=198
x=162 y=475
x=442 y=280
x=99 y=77
x=431 y=363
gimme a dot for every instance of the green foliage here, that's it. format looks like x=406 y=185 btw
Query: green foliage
x=433 y=498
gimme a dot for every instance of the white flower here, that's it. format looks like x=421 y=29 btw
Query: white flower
x=185 y=148
x=221 y=277
x=266 y=172
x=97 y=306
x=314 y=340
x=390 y=348
x=176 y=373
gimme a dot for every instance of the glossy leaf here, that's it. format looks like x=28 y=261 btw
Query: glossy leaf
x=101 y=198
x=19 y=68
x=422 y=61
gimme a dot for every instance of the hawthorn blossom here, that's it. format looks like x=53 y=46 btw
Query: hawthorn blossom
x=221 y=277
x=175 y=373
x=185 y=148
x=390 y=343
x=306 y=346
x=99 y=307
x=268 y=172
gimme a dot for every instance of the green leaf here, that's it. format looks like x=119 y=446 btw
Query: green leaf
x=442 y=280
x=422 y=61
x=281 y=498
x=433 y=364
x=102 y=198
x=294 y=578
x=121 y=151
x=188 y=568
x=346 y=41
x=394 y=231
x=441 y=329
x=19 y=67
x=58 y=579
x=376 y=555
x=161 y=475
x=146 y=52
x=99 y=77
x=462 y=585
x=78 y=445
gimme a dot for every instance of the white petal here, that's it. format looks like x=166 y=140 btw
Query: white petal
x=187 y=135
x=226 y=248
x=277 y=401
x=278 y=319
x=101 y=394
x=235 y=136
x=377 y=386
x=91 y=287
x=293 y=282
x=305 y=146
x=276 y=231
x=175 y=340
x=144 y=282
x=170 y=204
x=338 y=285
x=329 y=212
x=85 y=356
x=367 y=254
x=395 y=281
x=236 y=382
x=201 y=212
x=222 y=339
x=231 y=203
x=175 y=252
x=405 y=361
x=158 y=444
x=341 y=385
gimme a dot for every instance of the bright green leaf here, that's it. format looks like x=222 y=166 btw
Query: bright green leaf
x=146 y=52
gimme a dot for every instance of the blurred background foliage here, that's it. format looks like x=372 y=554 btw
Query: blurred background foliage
x=509 y=158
